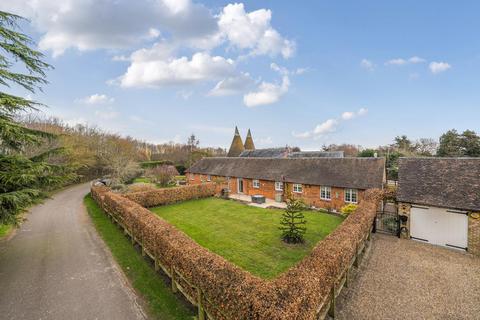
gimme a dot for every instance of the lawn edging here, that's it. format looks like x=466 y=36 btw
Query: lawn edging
x=222 y=290
x=161 y=301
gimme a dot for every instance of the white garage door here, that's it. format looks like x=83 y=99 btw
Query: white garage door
x=439 y=226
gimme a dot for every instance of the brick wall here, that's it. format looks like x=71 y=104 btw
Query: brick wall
x=310 y=194
x=474 y=236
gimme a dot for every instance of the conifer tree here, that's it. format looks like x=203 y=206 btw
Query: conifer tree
x=22 y=180
x=293 y=222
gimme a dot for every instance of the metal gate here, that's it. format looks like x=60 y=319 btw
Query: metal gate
x=387 y=220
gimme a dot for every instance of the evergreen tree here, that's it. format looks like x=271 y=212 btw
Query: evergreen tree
x=22 y=180
x=293 y=222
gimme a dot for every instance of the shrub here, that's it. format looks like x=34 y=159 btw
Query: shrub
x=162 y=175
x=348 y=209
x=293 y=222
x=181 y=169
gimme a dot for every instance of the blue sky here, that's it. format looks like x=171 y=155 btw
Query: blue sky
x=300 y=73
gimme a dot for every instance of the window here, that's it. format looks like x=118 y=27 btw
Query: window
x=297 y=188
x=278 y=186
x=326 y=193
x=256 y=184
x=209 y=178
x=351 y=195
x=192 y=176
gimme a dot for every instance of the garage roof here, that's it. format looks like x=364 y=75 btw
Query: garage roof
x=359 y=173
x=441 y=182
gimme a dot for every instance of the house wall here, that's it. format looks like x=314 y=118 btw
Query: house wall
x=310 y=194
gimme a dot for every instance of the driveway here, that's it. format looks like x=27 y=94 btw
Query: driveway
x=405 y=279
x=57 y=267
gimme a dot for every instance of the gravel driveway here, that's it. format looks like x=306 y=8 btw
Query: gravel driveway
x=405 y=279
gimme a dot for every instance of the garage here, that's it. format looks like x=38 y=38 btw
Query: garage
x=438 y=201
x=439 y=226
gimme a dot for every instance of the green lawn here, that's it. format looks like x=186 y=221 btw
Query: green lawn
x=141 y=180
x=245 y=235
x=163 y=304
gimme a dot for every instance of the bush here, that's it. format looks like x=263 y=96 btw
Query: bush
x=162 y=175
x=348 y=209
x=141 y=187
x=181 y=169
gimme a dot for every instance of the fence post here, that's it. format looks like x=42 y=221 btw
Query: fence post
x=201 y=312
x=331 y=310
x=174 y=285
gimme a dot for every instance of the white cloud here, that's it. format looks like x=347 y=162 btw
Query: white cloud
x=97 y=99
x=347 y=115
x=438 y=67
x=367 y=64
x=152 y=72
x=111 y=24
x=416 y=59
x=402 y=62
x=267 y=93
x=253 y=31
x=232 y=85
x=330 y=125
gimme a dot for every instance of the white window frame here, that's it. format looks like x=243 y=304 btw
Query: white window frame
x=325 y=193
x=209 y=178
x=256 y=183
x=278 y=186
x=297 y=188
x=349 y=195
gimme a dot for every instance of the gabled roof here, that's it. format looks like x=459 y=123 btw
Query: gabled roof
x=265 y=153
x=360 y=173
x=442 y=182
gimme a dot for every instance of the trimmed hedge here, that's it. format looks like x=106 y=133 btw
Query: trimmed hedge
x=232 y=293
x=164 y=196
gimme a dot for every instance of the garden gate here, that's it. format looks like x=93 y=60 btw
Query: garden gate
x=387 y=220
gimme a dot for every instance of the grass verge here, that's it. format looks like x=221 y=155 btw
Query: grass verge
x=5 y=230
x=245 y=235
x=162 y=303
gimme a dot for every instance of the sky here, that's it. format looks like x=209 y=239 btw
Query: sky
x=303 y=73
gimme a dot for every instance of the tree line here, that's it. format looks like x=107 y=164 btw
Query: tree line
x=450 y=144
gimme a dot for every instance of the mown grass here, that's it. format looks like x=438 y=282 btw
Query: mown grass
x=245 y=235
x=162 y=303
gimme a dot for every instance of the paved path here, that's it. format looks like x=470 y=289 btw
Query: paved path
x=57 y=267
x=405 y=279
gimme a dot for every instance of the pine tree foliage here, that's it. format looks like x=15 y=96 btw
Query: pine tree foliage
x=23 y=181
x=293 y=223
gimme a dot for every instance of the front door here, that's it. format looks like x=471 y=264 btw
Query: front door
x=240 y=185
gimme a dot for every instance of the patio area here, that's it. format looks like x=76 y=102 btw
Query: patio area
x=248 y=199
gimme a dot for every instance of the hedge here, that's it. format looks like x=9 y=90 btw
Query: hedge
x=230 y=292
x=158 y=197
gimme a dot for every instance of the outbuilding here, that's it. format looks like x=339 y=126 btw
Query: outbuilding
x=439 y=201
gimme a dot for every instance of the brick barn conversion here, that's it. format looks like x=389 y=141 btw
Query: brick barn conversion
x=328 y=183
x=439 y=199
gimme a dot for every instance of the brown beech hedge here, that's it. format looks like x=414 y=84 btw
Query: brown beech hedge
x=230 y=292
x=163 y=196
